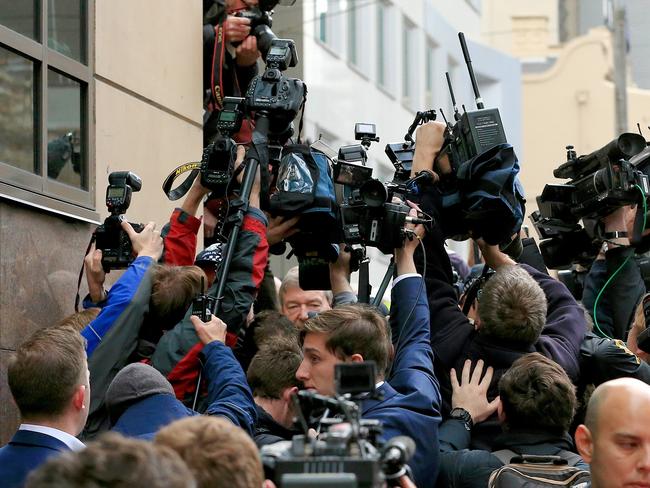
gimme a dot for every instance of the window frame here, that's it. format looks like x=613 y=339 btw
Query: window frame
x=37 y=189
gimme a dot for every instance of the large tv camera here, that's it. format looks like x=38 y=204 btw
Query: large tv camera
x=111 y=239
x=369 y=216
x=600 y=182
x=349 y=453
x=478 y=171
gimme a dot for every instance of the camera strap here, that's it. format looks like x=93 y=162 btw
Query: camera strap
x=77 y=298
x=183 y=188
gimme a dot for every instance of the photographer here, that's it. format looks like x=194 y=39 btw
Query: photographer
x=521 y=310
x=177 y=353
x=227 y=69
x=353 y=333
x=614 y=279
x=140 y=401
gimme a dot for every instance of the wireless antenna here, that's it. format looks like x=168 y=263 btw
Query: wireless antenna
x=453 y=98
x=468 y=62
x=638 y=126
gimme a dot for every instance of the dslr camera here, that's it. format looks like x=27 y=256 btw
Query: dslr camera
x=111 y=239
x=218 y=159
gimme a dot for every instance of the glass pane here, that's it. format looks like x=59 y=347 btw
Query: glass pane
x=66 y=20
x=17 y=139
x=20 y=15
x=66 y=161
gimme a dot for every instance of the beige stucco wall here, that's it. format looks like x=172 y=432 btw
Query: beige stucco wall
x=148 y=96
x=572 y=103
x=523 y=28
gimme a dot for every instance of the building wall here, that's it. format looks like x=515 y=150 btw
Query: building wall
x=147 y=119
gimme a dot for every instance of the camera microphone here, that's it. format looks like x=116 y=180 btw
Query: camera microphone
x=397 y=452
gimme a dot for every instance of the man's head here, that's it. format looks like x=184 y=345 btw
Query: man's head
x=236 y=5
x=134 y=383
x=49 y=379
x=216 y=451
x=536 y=391
x=272 y=377
x=79 y=320
x=512 y=307
x=615 y=438
x=296 y=303
x=352 y=333
x=172 y=290
x=114 y=461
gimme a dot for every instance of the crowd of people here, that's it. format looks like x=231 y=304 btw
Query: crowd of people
x=136 y=390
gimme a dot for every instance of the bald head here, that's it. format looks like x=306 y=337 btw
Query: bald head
x=628 y=393
x=615 y=439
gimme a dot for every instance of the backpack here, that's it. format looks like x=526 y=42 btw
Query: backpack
x=538 y=471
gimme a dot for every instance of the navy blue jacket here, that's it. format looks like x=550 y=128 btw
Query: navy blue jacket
x=25 y=452
x=411 y=395
x=228 y=396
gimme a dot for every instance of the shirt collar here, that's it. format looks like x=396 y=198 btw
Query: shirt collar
x=72 y=442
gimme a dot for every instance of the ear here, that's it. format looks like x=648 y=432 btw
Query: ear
x=79 y=398
x=288 y=393
x=501 y=414
x=584 y=443
x=356 y=358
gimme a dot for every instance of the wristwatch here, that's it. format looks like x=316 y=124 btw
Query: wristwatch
x=462 y=415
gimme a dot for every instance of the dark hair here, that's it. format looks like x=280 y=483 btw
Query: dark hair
x=273 y=368
x=536 y=391
x=117 y=462
x=271 y=324
x=45 y=371
x=512 y=306
x=219 y=453
x=353 y=329
x=172 y=291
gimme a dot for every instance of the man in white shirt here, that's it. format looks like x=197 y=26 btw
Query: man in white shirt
x=49 y=381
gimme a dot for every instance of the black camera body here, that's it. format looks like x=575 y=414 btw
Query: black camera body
x=111 y=239
x=218 y=160
x=273 y=93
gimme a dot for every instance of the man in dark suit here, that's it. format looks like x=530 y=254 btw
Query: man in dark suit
x=411 y=396
x=49 y=380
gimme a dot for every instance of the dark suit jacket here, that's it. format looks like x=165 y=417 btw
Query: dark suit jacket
x=25 y=452
x=411 y=397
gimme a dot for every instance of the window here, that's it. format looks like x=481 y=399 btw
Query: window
x=384 y=44
x=430 y=74
x=409 y=66
x=330 y=28
x=44 y=94
x=352 y=32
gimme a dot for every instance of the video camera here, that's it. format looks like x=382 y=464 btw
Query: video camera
x=369 y=216
x=600 y=182
x=349 y=453
x=480 y=191
x=111 y=239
